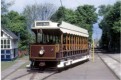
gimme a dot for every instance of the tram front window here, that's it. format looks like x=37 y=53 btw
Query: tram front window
x=39 y=37
x=48 y=39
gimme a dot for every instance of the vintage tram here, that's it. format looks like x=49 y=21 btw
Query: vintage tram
x=58 y=44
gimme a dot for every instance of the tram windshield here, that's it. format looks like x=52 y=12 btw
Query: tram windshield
x=46 y=38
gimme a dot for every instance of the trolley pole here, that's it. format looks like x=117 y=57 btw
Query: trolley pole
x=93 y=56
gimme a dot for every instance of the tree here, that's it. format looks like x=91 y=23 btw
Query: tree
x=17 y=24
x=83 y=16
x=86 y=17
x=4 y=11
x=111 y=27
x=38 y=12
x=64 y=14
x=5 y=6
x=103 y=9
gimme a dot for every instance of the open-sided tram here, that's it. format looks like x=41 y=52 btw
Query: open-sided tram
x=58 y=45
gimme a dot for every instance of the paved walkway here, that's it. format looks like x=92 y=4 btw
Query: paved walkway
x=13 y=68
x=114 y=65
x=96 y=70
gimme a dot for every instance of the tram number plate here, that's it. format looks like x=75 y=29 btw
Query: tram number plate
x=42 y=64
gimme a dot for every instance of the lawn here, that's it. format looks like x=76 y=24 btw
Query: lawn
x=7 y=64
x=24 y=65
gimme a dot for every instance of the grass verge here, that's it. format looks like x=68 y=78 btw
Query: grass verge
x=7 y=64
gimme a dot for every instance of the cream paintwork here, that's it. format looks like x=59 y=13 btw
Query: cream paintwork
x=64 y=27
x=70 y=62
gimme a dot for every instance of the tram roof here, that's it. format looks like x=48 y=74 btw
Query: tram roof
x=64 y=27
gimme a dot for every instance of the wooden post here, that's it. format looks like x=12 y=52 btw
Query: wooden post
x=62 y=45
x=82 y=43
x=74 y=42
x=66 y=41
x=86 y=43
x=69 y=42
x=78 y=42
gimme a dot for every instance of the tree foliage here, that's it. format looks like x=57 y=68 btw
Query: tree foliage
x=111 y=27
x=83 y=16
x=103 y=9
x=17 y=24
x=5 y=6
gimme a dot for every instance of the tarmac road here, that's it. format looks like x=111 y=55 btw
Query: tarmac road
x=96 y=70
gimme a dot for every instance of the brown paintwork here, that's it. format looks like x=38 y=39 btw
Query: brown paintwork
x=48 y=54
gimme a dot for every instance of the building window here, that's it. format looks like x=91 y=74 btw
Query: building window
x=8 y=46
x=5 y=43
x=8 y=56
x=2 y=56
x=1 y=41
x=2 y=51
x=1 y=33
x=7 y=51
x=8 y=41
x=2 y=46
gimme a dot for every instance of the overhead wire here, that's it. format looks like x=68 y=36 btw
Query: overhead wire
x=63 y=15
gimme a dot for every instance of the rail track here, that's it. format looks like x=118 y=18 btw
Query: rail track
x=34 y=74
x=116 y=59
x=113 y=63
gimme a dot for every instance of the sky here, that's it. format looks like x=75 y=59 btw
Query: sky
x=19 y=5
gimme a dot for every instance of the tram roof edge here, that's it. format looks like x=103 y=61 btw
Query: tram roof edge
x=63 y=26
x=73 y=29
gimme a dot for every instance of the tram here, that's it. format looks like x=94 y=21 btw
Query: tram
x=58 y=44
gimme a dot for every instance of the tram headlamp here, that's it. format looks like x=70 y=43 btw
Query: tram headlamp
x=41 y=52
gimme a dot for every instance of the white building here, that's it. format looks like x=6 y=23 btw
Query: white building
x=9 y=45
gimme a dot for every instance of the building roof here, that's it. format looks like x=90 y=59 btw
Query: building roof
x=9 y=33
x=64 y=27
